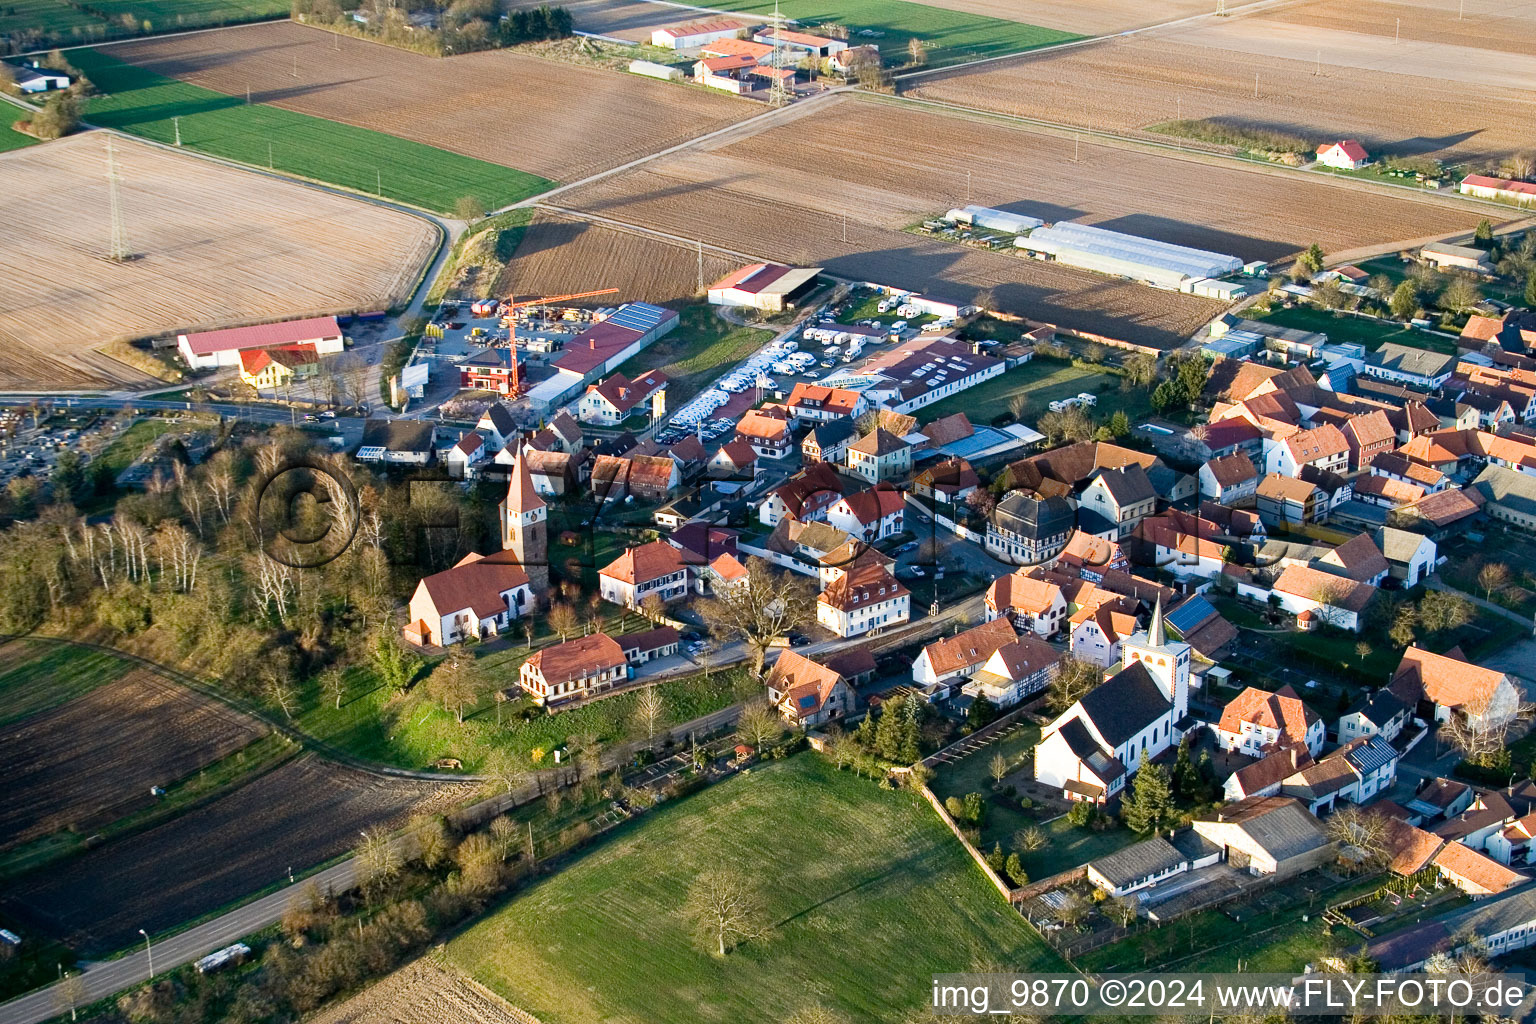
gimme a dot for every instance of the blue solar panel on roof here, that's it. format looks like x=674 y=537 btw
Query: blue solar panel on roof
x=639 y=316
x=1190 y=614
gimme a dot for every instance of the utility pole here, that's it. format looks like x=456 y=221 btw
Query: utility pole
x=295 y=65
x=119 y=243
x=701 y=266
x=1255 y=85
x=1397 y=33
x=1077 y=142
x=176 y=122
x=845 y=227
x=777 y=96
x=967 y=188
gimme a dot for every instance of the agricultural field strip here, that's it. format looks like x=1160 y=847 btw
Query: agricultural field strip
x=94 y=759
x=255 y=246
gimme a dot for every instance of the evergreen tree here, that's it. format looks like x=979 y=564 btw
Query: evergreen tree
x=981 y=713
x=865 y=733
x=911 y=724
x=1530 y=290
x=1014 y=869
x=888 y=732
x=1119 y=423
x=1186 y=778
x=1405 y=301
x=1484 y=233
x=1151 y=798
x=1312 y=260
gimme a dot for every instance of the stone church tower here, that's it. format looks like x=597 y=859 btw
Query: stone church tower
x=524 y=530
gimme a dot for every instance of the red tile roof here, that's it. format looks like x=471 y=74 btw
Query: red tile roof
x=476 y=582
x=1449 y=682
x=973 y=647
x=624 y=394
x=862 y=586
x=1282 y=711
x=289 y=332
x=578 y=658
x=815 y=396
x=645 y=563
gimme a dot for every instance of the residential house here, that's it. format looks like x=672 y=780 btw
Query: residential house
x=1026 y=530
x=1484 y=817
x=767 y=433
x=1313 y=595
x=1475 y=874
x=1020 y=668
x=1357 y=559
x=397 y=442
x=1089 y=557
x=1513 y=844
x=1323 y=448
x=722 y=574
x=870 y=515
x=1416 y=367
x=1267 y=835
x=818 y=404
x=465 y=454
x=1455 y=686
x=267 y=369
x=1123 y=496
x=1031 y=604
x=948 y=482
x=479 y=597
x=1355 y=773
x=1508 y=496
x=614 y=400
x=1229 y=479
x=828 y=441
x=808 y=694
x=1257 y=722
x=1151 y=861
x=552 y=473
x=1497 y=925
x=804 y=497
x=1439 y=799
x=736 y=460
x=650 y=645
x=863 y=599
x=1265 y=776
x=1099 y=631
x=879 y=455
x=563 y=434
x=962 y=654
x=1382 y=713
x=587 y=666
x=1284 y=500
x=1181 y=543
x=1347 y=155
x=1368 y=435
x=498 y=427
x=656 y=569
x=1090 y=750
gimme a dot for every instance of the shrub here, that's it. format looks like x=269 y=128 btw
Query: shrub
x=1080 y=814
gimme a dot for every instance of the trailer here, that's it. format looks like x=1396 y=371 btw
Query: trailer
x=222 y=958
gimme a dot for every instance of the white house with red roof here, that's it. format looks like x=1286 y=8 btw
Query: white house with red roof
x=1028 y=601
x=864 y=598
x=1325 y=448
x=1257 y=722
x=478 y=597
x=869 y=515
x=961 y=654
x=655 y=569
x=695 y=34
x=1457 y=687
x=207 y=349
x=615 y=399
x=770 y=287
x=465 y=454
x=768 y=434
x=807 y=693
x=575 y=669
x=1346 y=155
x=818 y=404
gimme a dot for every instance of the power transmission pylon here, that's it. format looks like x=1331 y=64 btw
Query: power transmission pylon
x=778 y=95
x=119 y=249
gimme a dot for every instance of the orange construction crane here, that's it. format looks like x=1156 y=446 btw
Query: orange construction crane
x=516 y=382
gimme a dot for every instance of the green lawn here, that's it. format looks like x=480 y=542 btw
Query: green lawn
x=36 y=675
x=143 y=103
x=11 y=139
x=866 y=895
x=1043 y=380
x=412 y=731
x=61 y=22
x=701 y=348
x=131 y=443
x=1357 y=330
x=1068 y=847
x=950 y=36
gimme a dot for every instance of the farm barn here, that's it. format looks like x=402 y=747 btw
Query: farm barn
x=207 y=349
x=1159 y=264
x=994 y=220
x=688 y=37
x=771 y=287
x=1484 y=187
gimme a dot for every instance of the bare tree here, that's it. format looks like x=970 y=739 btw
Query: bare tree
x=564 y=620
x=724 y=909
x=508 y=770
x=1124 y=909
x=377 y=857
x=506 y=834
x=653 y=608
x=1478 y=730
x=69 y=993
x=430 y=833
x=1492 y=577
x=998 y=769
x=1030 y=839
x=650 y=707
x=761 y=608
x=1074 y=678
x=454 y=684
x=1364 y=837
x=758 y=724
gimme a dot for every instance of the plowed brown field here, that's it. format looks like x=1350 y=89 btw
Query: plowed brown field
x=783 y=193
x=1089 y=17
x=213 y=246
x=297 y=815
x=1459 y=90
x=422 y=992
x=564 y=254
x=557 y=120
x=94 y=759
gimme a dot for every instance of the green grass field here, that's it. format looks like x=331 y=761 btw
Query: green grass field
x=866 y=894
x=143 y=103
x=1043 y=381
x=951 y=37
x=1357 y=330
x=700 y=350
x=413 y=732
x=57 y=21
x=36 y=675
x=11 y=139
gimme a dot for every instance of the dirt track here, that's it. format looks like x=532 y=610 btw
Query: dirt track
x=94 y=759
x=298 y=815
x=557 y=120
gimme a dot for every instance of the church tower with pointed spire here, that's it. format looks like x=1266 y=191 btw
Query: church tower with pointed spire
x=1167 y=661
x=524 y=530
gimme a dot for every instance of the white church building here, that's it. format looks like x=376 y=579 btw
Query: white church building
x=1093 y=748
